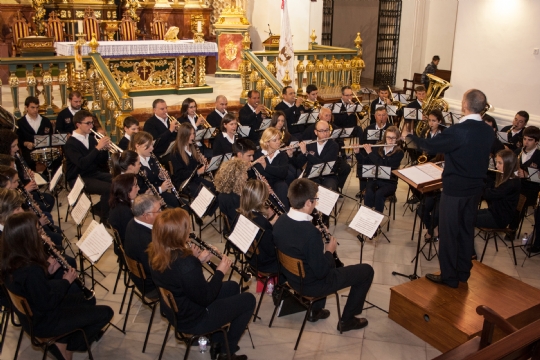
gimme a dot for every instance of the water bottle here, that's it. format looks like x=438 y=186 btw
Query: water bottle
x=203 y=342
x=270 y=287
x=525 y=239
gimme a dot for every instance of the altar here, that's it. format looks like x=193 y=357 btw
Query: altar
x=154 y=67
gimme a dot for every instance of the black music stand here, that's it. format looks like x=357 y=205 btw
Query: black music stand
x=265 y=124
x=431 y=243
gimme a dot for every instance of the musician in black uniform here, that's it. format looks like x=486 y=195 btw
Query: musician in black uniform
x=244 y=149
x=26 y=270
x=225 y=139
x=141 y=143
x=515 y=131
x=229 y=181
x=273 y=164
x=160 y=127
x=344 y=119
x=64 y=119
x=131 y=126
x=290 y=105
x=88 y=157
x=188 y=114
x=296 y=236
x=126 y=162
x=377 y=190
x=381 y=100
x=124 y=190
x=280 y=122
x=33 y=124
x=251 y=115
x=420 y=92
x=139 y=235
x=214 y=118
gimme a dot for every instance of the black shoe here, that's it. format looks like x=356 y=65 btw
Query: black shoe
x=353 y=324
x=339 y=263
x=317 y=315
x=510 y=236
x=438 y=280
x=215 y=350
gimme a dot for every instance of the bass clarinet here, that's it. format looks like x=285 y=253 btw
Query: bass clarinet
x=53 y=251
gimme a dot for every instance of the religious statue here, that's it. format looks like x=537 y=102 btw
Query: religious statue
x=132 y=6
x=39 y=16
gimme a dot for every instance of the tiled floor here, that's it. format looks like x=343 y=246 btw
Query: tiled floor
x=382 y=339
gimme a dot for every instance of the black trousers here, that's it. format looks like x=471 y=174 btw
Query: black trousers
x=359 y=277
x=229 y=307
x=328 y=181
x=376 y=193
x=456 y=235
x=100 y=184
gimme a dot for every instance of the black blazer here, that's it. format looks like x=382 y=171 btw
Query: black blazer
x=222 y=145
x=214 y=119
x=152 y=173
x=247 y=117
x=182 y=171
x=228 y=203
x=275 y=171
x=83 y=161
x=392 y=159
x=161 y=133
x=529 y=187
x=138 y=237
x=344 y=119
x=514 y=141
x=414 y=105
x=373 y=106
x=123 y=143
x=26 y=134
x=502 y=201
x=64 y=122
x=265 y=260
x=119 y=217
x=292 y=113
x=312 y=157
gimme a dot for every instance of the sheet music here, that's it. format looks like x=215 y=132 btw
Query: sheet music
x=243 y=131
x=328 y=105
x=327 y=200
x=346 y=132
x=209 y=132
x=39 y=179
x=80 y=210
x=328 y=169
x=402 y=98
x=534 y=175
x=337 y=108
x=412 y=114
x=384 y=172
x=58 y=139
x=244 y=233
x=75 y=191
x=392 y=110
x=265 y=124
x=226 y=158
x=456 y=117
x=336 y=133
x=199 y=134
x=420 y=175
x=55 y=179
x=351 y=108
x=313 y=117
x=42 y=141
x=503 y=136
x=373 y=135
x=202 y=201
x=431 y=170
x=315 y=170
x=369 y=171
x=303 y=118
x=366 y=221
x=95 y=241
x=169 y=149
x=215 y=162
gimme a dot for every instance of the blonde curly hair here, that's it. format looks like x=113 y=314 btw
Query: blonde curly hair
x=232 y=176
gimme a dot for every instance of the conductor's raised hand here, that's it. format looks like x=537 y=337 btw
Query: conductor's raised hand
x=224 y=265
x=332 y=245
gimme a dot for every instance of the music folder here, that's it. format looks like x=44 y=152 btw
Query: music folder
x=392 y=110
x=244 y=233
x=366 y=221
x=534 y=175
x=303 y=119
x=204 y=134
x=503 y=136
x=58 y=139
x=243 y=131
x=265 y=124
x=202 y=201
x=346 y=132
x=214 y=163
x=42 y=141
x=336 y=109
x=336 y=133
x=412 y=114
x=321 y=169
x=374 y=134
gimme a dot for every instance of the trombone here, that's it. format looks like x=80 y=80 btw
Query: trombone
x=112 y=146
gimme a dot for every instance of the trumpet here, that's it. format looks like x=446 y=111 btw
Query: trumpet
x=173 y=120
x=308 y=104
x=112 y=146
x=205 y=123
x=267 y=112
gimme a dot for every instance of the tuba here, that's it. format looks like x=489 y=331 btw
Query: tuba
x=433 y=100
x=7 y=119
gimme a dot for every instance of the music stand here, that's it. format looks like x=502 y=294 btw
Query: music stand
x=202 y=208
x=243 y=131
x=55 y=188
x=265 y=124
x=322 y=169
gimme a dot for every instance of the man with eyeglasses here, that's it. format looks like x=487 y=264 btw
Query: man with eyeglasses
x=88 y=157
x=162 y=129
x=297 y=237
x=139 y=235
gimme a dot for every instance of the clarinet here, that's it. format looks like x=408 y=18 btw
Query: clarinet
x=274 y=207
x=27 y=172
x=153 y=189
x=165 y=173
x=272 y=193
x=204 y=162
x=204 y=246
x=53 y=251
x=325 y=234
x=33 y=206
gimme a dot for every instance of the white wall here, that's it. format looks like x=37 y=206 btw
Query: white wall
x=493 y=52
x=304 y=16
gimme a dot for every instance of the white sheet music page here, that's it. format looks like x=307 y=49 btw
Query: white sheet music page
x=433 y=171
x=366 y=221
x=346 y=132
x=55 y=179
x=422 y=173
x=384 y=172
x=80 y=210
x=392 y=110
x=373 y=134
x=534 y=175
x=265 y=124
x=202 y=201
x=313 y=117
x=244 y=130
x=503 y=136
x=409 y=113
x=75 y=191
x=337 y=108
x=328 y=168
x=58 y=139
x=42 y=141
x=315 y=170
x=39 y=179
x=214 y=163
x=244 y=233
x=303 y=118
x=327 y=200
x=95 y=241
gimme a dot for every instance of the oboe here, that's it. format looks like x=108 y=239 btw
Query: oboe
x=204 y=246
x=152 y=189
x=204 y=162
x=27 y=172
x=272 y=193
x=165 y=173
x=53 y=251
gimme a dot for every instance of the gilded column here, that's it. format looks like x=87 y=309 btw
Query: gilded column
x=300 y=70
x=31 y=82
x=202 y=70
x=63 y=81
x=14 y=87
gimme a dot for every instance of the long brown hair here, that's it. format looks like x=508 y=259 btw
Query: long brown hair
x=182 y=140
x=21 y=244
x=170 y=234
x=254 y=195
x=140 y=138
x=510 y=166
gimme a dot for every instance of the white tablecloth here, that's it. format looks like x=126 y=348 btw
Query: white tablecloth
x=112 y=49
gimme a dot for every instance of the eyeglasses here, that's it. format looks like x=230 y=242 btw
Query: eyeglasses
x=88 y=123
x=391 y=138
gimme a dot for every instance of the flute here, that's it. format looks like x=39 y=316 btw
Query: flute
x=364 y=145
x=27 y=172
x=204 y=246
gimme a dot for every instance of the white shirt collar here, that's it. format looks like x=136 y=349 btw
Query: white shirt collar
x=270 y=158
x=187 y=150
x=72 y=110
x=150 y=226
x=226 y=136
x=526 y=156
x=289 y=105
x=164 y=121
x=298 y=215
x=1 y=227
x=251 y=107
x=320 y=147
x=222 y=114
x=34 y=123
x=144 y=161
x=82 y=138
x=193 y=121
x=476 y=117
x=127 y=137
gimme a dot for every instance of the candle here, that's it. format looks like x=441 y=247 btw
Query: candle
x=80 y=26
x=199 y=26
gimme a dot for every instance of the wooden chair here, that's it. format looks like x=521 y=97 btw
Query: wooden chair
x=90 y=24
x=170 y=310
x=56 y=28
x=157 y=28
x=296 y=267
x=128 y=28
x=20 y=29
x=135 y=269
x=21 y=307
x=487 y=234
x=122 y=267
x=519 y=344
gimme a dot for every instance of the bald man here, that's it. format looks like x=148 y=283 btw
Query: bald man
x=214 y=118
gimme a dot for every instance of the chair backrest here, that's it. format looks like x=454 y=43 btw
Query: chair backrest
x=128 y=28
x=55 y=27
x=20 y=304
x=20 y=28
x=168 y=299
x=293 y=265
x=91 y=25
x=521 y=203
x=158 y=28
x=135 y=267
